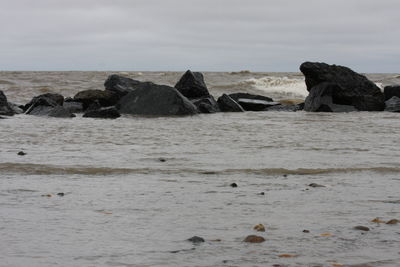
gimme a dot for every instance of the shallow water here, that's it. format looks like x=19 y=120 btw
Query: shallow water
x=137 y=188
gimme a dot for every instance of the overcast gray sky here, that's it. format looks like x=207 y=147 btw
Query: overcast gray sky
x=213 y=35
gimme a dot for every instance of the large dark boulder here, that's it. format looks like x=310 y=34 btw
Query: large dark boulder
x=192 y=85
x=237 y=96
x=103 y=113
x=391 y=91
x=120 y=85
x=206 y=104
x=227 y=104
x=157 y=100
x=53 y=98
x=320 y=99
x=393 y=104
x=354 y=89
x=5 y=108
x=40 y=101
x=104 y=97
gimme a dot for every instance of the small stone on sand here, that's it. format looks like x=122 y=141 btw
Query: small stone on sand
x=254 y=239
x=361 y=228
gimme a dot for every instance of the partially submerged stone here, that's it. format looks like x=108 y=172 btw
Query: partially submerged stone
x=196 y=239
x=5 y=108
x=227 y=104
x=393 y=104
x=254 y=239
x=103 y=113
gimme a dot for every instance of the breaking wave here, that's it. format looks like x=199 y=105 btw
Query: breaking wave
x=279 y=85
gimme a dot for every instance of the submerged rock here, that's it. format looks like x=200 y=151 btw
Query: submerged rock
x=5 y=108
x=393 y=104
x=286 y=108
x=320 y=99
x=21 y=153
x=104 y=98
x=391 y=91
x=192 y=85
x=206 y=104
x=196 y=239
x=361 y=228
x=105 y=113
x=227 y=104
x=352 y=88
x=254 y=239
x=158 y=100
x=57 y=111
x=120 y=85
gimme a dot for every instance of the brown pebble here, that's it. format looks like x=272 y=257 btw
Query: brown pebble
x=259 y=228
x=393 y=221
x=306 y=231
x=254 y=239
x=361 y=228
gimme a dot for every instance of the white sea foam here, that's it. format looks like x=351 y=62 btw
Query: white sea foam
x=280 y=85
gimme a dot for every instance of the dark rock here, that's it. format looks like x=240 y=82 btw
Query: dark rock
x=316 y=185
x=162 y=160
x=60 y=194
x=120 y=85
x=56 y=111
x=320 y=99
x=353 y=89
x=48 y=99
x=206 y=105
x=5 y=108
x=254 y=239
x=391 y=91
x=286 y=108
x=227 y=104
x=104 y=98
x=261 y=194
x=237 y=96
x=234 y=185
x=192 y=85
x=104 y=113
x=306 y=231
x=196 y=239
x=393 y=104
x=73 y=106
x=255 y=104
x=21 y=153
x=157 y=100
x=61 y=112
x=361 y=228
x=16 y=108
x=393 y=221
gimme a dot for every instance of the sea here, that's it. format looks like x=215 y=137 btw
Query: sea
x=130 y=192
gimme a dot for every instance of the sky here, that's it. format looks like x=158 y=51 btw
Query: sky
x=203 y=35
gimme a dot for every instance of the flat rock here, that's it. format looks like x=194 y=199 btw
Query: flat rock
x=227 y=104
x=192 y=85
x=120 y=85
x=236 y=97
x=104 y=113
x=156 y=100
x=361 y=228
x=393 y=104
x=104 y=97
x=255 y=104
x=196 y=239
x=353 y=89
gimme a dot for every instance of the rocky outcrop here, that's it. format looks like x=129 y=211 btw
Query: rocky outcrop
x=157 y=100
x=393 y=104
x=192 y=85
x=320 y=99
x=391 y=91
x=57 y=111
x=227 y=104
x=120 y=85
x=104 y=113
x=5 y=108
x=206 y=105
x=353 y=89
x=49 y=99
x=104 y=98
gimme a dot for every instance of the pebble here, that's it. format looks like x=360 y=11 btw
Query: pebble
x=234 y=185
x=254 y=239
x=261 y=194
x=306 y=231
x=393 y=221
x=162 y=160
x=60 y=194
x=361 y=228
x=259 y=228
x=316 y=185
x=196 y=239
x=21 y=153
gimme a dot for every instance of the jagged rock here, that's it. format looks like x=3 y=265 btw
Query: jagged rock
x=105 y=98
x=105 y=113
x=393 y=104
x=391 y=91
x=227 y=104
x=5 y=108
x=73 y=107
x=120 y=85
x=153 y=99
x=320 y=99
x=57 y=112
x=206 y=105
x=237 y=96
x=192 y=85
x=353 y=89
x=50 y=99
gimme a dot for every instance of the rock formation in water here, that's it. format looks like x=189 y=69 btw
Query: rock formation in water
x=391 y=91
x=393 y=104
x=5 y=108
x=352 y=88
x=104 y=113
x=120 y=85
x=48 y=105
x=227 y=104
x=192 y=85
x=104 y=97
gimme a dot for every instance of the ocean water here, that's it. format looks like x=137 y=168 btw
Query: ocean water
x=135 y=189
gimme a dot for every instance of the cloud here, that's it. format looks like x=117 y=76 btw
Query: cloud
x=263 y=35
